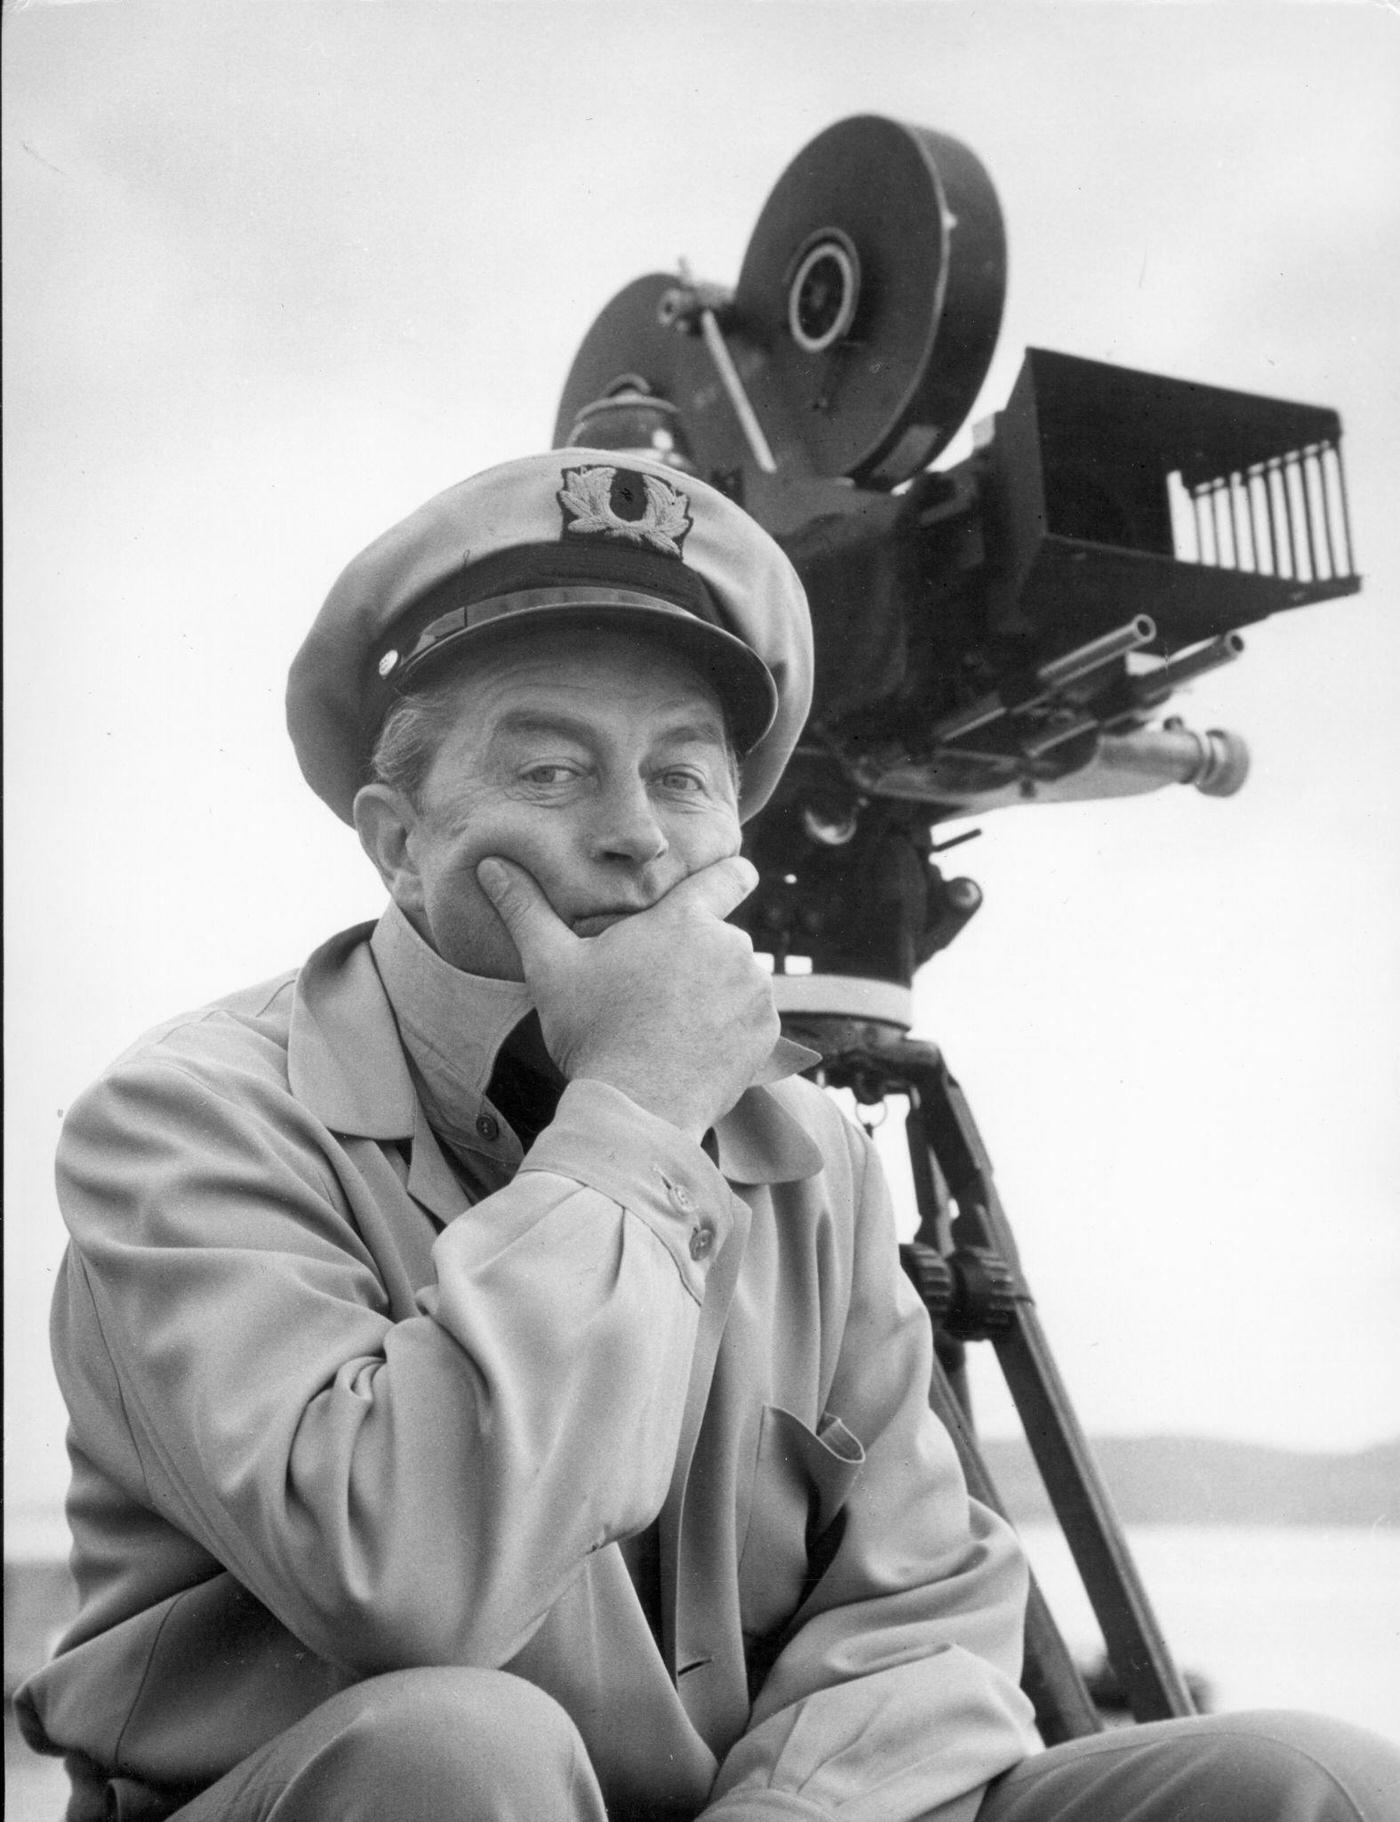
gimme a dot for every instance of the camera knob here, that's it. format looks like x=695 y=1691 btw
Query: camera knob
x=971 y=1294
x=931 y=1276
x=984 y=1295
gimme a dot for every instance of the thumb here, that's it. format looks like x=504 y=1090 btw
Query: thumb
x=524 y=910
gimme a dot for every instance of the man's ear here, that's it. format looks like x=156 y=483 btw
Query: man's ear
x=384 y=821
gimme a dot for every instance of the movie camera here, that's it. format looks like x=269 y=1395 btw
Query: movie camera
x=1002 y=631
x=1005 y=630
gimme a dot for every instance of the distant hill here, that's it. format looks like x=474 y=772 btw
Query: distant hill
x=1185 y=1480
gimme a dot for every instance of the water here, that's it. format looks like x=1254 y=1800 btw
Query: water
x=1286 y=1617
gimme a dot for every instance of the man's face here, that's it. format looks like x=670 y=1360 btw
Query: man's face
x=596 y=761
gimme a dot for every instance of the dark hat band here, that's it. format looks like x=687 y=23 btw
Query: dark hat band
x=518 y=601
x=558 y=564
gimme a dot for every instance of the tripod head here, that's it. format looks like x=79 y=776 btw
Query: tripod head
x=1002 y=631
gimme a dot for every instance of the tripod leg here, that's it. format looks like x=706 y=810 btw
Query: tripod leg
x=936 y=1230
x=1136 y=1648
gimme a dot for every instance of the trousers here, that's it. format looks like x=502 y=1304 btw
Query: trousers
x=454 y=1745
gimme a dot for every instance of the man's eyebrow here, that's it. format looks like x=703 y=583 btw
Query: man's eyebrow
x=537 y=721
x=708 y=730
x=686 y=729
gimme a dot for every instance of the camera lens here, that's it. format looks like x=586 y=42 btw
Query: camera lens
x=823 y=291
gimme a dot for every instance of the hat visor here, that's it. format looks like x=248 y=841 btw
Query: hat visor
x=739 y=678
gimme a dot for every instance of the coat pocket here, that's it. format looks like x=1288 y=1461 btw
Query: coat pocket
x=801 y=1481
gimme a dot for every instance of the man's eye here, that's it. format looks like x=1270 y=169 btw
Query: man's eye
x=549 y=774
x=675 y=780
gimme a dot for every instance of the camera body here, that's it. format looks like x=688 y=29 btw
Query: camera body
x=1001 y=631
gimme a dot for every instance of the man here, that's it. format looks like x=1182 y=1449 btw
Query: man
x=493 y=1389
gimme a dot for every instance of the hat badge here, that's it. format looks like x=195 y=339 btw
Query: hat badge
x=605 y=502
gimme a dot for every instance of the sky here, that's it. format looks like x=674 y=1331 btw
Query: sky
x=277 y=272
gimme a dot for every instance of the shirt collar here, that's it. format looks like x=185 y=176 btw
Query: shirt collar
x=453 y=1024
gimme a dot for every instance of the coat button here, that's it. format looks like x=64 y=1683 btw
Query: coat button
x=488 y=1127
x=701 y=1240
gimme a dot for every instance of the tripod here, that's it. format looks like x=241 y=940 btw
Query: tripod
x=964 y=1264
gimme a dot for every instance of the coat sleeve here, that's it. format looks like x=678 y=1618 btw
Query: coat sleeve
x=401 y=1488
x=893 y=1694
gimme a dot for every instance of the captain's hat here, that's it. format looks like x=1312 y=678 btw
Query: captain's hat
x=574 y=538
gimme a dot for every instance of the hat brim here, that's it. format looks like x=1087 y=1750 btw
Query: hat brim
x=739 y=678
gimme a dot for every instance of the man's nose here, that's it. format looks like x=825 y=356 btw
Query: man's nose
x=627 y=827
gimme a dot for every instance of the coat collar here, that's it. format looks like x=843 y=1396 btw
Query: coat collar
x=761 y=1141
x=347 y=1067
x=345 y=1062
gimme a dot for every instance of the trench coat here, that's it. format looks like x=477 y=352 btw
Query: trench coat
x=329 y=1419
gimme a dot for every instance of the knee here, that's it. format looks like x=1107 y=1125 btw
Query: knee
x=1252 y=1767
x=1305 y=1767
x=448 y=1745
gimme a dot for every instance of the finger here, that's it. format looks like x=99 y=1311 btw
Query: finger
x=717 y=888
x=535 y=928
